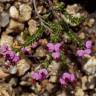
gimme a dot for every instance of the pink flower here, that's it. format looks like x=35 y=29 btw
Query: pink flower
x=50 y=47
x=56 y=55
x=16 y=59
x=88 y=44
x=62 y=81
x=9 y=54
x=66 y=78
x=54 y=47
x=57 y=47
x=36 y=76
x=40 y=74
x=87 y=51
x=3 y=48
x=43 y=73
x=80 y=53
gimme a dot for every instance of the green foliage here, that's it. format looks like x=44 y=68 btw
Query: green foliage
x=68 y=18
x=72 y=20
x=63 y=58
x=59 y=7
x=35 y=36
x=56 y=28
x=72 y=35
x=74 y=38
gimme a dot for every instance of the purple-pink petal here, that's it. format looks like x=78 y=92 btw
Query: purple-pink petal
x=40 y=74
x=9 y=55
x=66 y=77
x=80 y=53
x=50 y=47
x=3 y=48
x=16 y=59
x=56 y=55
x=36 y=76
x=88 y=44
x=43 y=73
x=62 y=82
x=57 y=47
x=87 y=51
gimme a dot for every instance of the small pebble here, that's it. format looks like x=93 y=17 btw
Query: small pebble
x=14 y=13
x=4 y=19
x=25 y=9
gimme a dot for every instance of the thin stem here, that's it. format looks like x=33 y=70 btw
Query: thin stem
x=41 y=20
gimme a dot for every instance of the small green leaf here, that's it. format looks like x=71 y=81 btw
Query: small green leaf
x=35 y=36
x=63 y=58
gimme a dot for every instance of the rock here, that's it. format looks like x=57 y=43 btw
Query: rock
x=28 y=94
x=49 y=87
x=3 y=1
x=90 y=22
x=1 y=7
x=73 y=9
x=32 y=27
x=53 y=79
x=25 y=12
x=14 y=13
x=45 y=94
x=13 y=69
x=22 y=67
x=63 y=93
x=91 y=82
x=13 y=82
x=44 y=84
x=25 y=1
x=53 y=68
x=90 y=66
x=3 y=74
x=4 y=19
x=38 y=87
x=79 y=92
x=25 y=83
x=2 y=61
x=40 y=52
x=82 y=35
x=20 y=39
x=5 y=39
x=94 y=94
x=43 y=42
x=15 y=26
x=6 y=90
x=84 y=82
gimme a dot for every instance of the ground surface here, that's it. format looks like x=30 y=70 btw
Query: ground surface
x=47 y=48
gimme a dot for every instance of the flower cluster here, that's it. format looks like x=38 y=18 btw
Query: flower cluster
x=67 y=78
x=9 y=54
x=87 y=50
x=40 y=74
x=54 y=49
